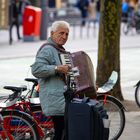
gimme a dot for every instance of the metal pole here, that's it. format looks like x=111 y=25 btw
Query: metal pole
x=44 y=20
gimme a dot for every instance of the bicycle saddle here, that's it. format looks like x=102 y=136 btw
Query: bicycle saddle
x=17 y=89
x=35 y=81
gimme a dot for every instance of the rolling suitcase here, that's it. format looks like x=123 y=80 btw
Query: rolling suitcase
x=86 y=119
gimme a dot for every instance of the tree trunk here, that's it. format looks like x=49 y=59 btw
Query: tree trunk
x=109 y=44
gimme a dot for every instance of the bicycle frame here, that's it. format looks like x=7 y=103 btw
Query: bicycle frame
x=27 y=106
x=104 y=96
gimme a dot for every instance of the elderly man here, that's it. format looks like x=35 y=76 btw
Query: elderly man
x=51 y=75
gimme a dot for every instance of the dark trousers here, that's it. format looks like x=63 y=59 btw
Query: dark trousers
x=16 y=23
x=58 y=127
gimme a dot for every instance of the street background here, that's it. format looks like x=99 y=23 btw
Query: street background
x=15 y=61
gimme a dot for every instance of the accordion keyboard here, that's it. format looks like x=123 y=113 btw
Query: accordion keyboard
x=74 y=72
x=65 y=59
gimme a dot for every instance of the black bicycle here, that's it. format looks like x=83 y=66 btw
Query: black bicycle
x=114 y=107
x=137 y=93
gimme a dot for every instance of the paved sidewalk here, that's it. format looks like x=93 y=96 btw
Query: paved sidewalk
x=130 y=66
x=132 y=127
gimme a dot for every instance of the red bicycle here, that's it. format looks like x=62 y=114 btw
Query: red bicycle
x=15 y=124
x=30 y=106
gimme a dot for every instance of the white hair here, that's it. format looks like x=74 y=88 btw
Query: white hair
x=57 y=24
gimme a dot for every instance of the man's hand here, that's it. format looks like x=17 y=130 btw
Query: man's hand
x=63 y=69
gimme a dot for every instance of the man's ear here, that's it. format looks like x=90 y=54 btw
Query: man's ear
x=52 y=33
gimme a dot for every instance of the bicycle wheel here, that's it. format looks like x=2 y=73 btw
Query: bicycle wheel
x=137 y=94
x=116 y=115
x=44 y=122
x=20 y=126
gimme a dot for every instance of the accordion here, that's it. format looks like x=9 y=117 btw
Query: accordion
x=85 y=82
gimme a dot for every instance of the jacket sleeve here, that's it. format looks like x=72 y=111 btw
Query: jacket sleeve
x=44 y=65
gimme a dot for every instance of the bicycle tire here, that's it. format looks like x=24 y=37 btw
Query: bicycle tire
x=137 y=94
x=116 y=115
x=20 y=125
